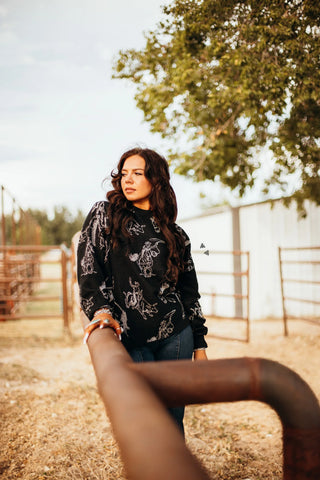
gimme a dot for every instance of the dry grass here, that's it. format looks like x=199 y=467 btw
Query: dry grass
x=53 y=424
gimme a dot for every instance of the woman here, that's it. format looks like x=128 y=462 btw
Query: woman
x=135 y=269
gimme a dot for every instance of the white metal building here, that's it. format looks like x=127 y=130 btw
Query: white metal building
x=259 y=228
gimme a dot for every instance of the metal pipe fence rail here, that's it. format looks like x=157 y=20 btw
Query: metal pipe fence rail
x=307 y=281
x=241 y=282
x=20 y=273
x=152 y=447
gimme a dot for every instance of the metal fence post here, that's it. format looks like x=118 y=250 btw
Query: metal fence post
x=284 y=312
x=65 y=302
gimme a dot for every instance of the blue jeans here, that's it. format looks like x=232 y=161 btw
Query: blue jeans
x=177 y=347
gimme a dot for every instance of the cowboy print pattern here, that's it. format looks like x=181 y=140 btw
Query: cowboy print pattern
x=131 y=281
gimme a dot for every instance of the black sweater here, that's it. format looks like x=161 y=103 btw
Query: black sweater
x=131 y=283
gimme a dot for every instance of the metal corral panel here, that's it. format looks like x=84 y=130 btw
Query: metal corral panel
x=263 y=229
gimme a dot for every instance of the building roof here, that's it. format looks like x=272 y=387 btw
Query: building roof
x=224 y=208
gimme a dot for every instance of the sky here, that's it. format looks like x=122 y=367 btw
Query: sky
x=64 y=122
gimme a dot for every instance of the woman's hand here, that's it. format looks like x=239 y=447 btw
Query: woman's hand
x=200 y=355
x=101 y=320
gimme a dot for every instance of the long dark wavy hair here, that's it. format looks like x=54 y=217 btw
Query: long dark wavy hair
x=163 y=205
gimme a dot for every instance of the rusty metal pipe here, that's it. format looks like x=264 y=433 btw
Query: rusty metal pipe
x=235 y=379
x=249 y=379
x=238 y=379
x=151 y=445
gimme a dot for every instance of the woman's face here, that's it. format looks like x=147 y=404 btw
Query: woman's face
x=135 y=186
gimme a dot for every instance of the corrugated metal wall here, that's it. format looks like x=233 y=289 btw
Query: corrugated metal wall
x=215 y=232
x=262 y=230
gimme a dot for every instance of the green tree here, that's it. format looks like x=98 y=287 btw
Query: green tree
x=61 y=228
x=41 y=217
x=226 y=78
x=23 y=228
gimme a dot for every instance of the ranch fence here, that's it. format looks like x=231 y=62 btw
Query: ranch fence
x=25 y=274
x=300 y=282
x=155 y=384
x=228 y=270
x=27 y=269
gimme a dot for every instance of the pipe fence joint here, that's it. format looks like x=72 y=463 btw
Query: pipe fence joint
x=135 y=396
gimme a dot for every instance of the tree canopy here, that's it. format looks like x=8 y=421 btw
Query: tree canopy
x=225 y=78
x=59 y=229
x=54 y=231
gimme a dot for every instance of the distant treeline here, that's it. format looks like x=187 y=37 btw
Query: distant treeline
x=55 y=230
x=60 y=228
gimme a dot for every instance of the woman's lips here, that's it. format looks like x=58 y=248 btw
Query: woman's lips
x=129 y=190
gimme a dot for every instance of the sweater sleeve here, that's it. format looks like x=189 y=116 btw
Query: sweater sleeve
x=189 y=290
x=93 y=263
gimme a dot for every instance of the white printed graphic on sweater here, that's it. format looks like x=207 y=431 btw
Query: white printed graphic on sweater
x=155 y=225
x=166 y=295
x=87 y=261
x=107 y=292
x=144 y=259
x=134 y=299
x=135 y=228
x=86 y=303
x=165 y=328
x=93 y=238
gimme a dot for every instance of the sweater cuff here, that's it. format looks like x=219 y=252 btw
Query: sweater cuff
x=199 y=342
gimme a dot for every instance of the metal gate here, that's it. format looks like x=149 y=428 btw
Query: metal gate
x=300 y=267
x=34 y=282
x=236 y=268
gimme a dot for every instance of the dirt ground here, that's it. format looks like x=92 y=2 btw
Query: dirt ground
x=54 y=426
